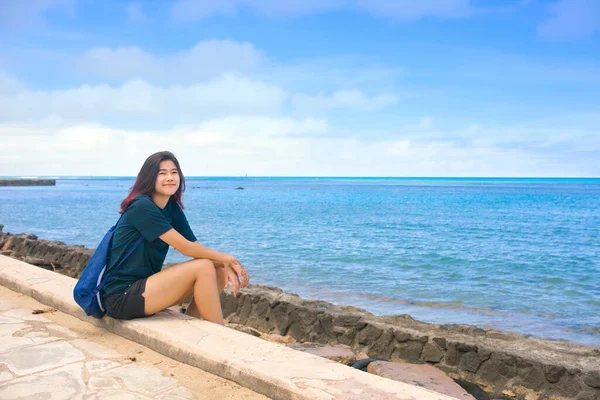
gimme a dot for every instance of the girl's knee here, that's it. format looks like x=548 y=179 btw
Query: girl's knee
x=204 y=267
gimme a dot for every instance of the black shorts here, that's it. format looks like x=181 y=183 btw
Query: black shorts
x=128 y=303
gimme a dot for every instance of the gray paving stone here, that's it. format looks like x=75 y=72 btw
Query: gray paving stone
x=44 y=385
x=10 y=329
x=25 y=315
x=9 y=320
x=9 y=343
x=142 y=379
x=104 y=383
x=36 y=333
x=94 y=349
x=62 y=330
x=5 y=376
x=29 y=360
x=98 y=366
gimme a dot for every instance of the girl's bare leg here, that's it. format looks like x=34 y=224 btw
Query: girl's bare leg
x=192 y=309
x=167 y=287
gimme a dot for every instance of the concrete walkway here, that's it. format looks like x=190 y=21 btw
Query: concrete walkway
x=47 y=354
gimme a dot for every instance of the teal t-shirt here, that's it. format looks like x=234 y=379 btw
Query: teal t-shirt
x=143 y=217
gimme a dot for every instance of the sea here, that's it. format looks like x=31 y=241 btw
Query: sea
x=516 y=254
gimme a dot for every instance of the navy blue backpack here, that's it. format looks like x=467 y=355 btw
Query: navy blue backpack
x=88 y=288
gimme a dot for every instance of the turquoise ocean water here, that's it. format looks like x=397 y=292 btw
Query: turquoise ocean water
x=516 y=254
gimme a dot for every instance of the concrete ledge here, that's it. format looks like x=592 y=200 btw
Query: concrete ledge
x=267 y=368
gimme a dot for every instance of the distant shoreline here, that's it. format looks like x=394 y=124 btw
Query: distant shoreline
x=27 y=182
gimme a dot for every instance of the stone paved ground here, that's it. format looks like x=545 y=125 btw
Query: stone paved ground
x=55 y=356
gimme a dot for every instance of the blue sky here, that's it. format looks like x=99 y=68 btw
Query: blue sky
x=323 y=88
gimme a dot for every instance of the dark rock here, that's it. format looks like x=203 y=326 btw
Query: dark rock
x=346 y=319
x=401 y=336
x=588 y=395
x=483 y=353
x=568 y=386
x=462 y=328
x=369 y=334
x=384 y=346
x=440 y=342
x=498 y=369
x=592 y=379
x=532 y=377
x=553 y=373
x=469 y=361
x=280 y=315
x=300 y=322
x=451 y=354
x=466 y=348
x=432 y=353
x=408 y=351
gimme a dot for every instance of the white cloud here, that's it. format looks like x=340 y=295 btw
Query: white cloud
x=120 y=63
x=204 y=60
x=225 y=95
x=270 y=146
x=571 y=19
x=263 y=126
x=192 y=10
x=343 y=99
x=135 y=14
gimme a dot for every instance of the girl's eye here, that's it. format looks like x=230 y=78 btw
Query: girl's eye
x=176 y=172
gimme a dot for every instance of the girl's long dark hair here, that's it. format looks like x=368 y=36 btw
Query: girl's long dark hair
x=146 y=179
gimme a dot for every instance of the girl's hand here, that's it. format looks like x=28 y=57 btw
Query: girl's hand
x=239 y=269
x=232 y=276
x=243 y=275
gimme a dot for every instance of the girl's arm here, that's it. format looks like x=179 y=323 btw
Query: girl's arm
x=194 y=249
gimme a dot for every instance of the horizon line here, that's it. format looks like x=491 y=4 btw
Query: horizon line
x=305 y=176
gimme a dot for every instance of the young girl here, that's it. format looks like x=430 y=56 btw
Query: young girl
x=153 y=209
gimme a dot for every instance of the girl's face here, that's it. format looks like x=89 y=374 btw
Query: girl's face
x=167 y=180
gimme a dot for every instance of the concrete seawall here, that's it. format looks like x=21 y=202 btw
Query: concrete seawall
x=498 y=361
x=27 y=182
x=267 y=368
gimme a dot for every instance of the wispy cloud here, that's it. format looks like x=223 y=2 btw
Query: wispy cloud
x=354 y=100
x=413 y=10
x=28 y=12
x=191 y=10
x=138 y=100
x=135 y=14
x=571 y=19
x=205 y=59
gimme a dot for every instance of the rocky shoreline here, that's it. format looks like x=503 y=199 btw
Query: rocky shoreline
x=500 y=362
x=27 y=182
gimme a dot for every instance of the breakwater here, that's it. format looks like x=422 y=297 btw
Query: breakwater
x=498 y=361
x=27 y=182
